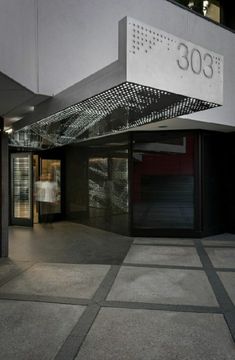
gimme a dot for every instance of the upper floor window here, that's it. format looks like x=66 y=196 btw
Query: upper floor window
x=220 y=11
x=211 y=9
x=208 y=8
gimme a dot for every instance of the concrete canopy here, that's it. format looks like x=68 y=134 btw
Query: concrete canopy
x=157 y=76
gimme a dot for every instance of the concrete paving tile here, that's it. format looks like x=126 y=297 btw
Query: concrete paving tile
x=123 y=334
x=168 y=241
x=228 y=279
x=31 y=331
x=67 y=280
x=9 y=268
x=222 y=258
x=162 y=286
x=163 y=255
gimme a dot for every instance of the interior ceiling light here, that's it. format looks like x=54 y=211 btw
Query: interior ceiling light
x=9 y=130
x=121 y=108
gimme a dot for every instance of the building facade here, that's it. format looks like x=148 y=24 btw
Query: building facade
x=124 y=113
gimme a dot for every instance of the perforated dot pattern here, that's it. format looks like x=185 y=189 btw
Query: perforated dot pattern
x=218 y=63
x=145 y=38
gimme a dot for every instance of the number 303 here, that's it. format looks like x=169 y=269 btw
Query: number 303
x=194 y=59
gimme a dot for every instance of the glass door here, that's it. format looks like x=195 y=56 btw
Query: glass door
x=47 y=190
x=21 y=189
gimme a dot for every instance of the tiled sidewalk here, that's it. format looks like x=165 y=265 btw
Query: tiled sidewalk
x=169 y=299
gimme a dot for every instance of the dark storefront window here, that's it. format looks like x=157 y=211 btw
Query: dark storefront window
x=98 y=178
x=97 y=183
x=220 y=11
x=163 y=182
x=108 y=192
x=157 y=183
x=208 y=8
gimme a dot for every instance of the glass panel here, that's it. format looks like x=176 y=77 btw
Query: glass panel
x=119 y=186
x=48 y=187
x=98 y=179
x=163 y=183
x=108 y=193
x=21 y=185
x=208 y=8
x=212 y=10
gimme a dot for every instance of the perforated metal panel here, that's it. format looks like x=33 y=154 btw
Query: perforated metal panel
x=164 y=61
x=123 y=107
x=145 y=39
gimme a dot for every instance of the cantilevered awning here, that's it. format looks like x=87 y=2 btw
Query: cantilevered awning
x=157 y=76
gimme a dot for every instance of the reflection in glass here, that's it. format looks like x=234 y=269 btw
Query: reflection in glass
x=98 y=178
x=119 y=186
x=108 y=192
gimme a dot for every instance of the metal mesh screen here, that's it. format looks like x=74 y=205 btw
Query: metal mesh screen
x=27 y=139
x=123 y=107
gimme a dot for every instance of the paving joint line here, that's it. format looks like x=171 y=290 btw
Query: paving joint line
x=165 y=245
x=217 y=269
x=158 y=266
x=218 y=288
x=75 y=339
x=219 y=246
x=45 y=299
x=162 y=307
x=113 y=303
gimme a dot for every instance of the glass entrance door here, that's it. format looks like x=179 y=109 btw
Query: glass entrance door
x=21 y=189
x=47 y=191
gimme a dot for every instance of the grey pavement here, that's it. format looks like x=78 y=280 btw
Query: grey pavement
x=75 y=281
x=228 y=280
x=33 y=330
x=162 y=286
x=162 y=335
x=158 y=299
x=162 y=255
x=222 y=257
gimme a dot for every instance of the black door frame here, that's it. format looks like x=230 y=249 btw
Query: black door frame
x=4 y=194
x=21 y=221
x=56 y=154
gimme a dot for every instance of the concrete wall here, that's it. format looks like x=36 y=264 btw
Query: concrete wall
x=75 y=38
x=79 y=37
x=18 y=52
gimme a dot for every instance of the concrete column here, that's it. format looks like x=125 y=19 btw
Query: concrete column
x=4 y=196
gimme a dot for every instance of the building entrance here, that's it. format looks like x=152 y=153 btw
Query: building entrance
x=36 y=194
